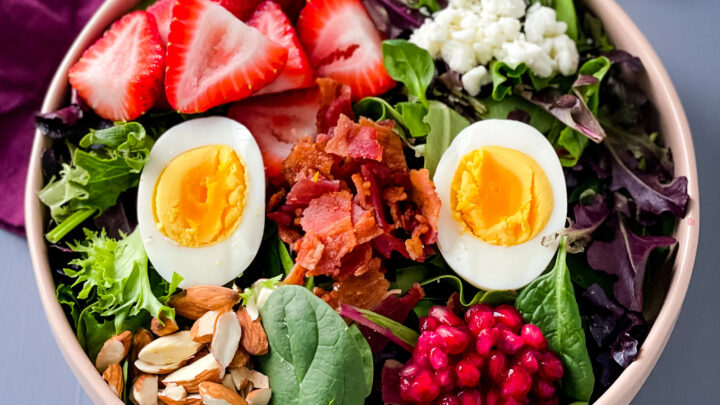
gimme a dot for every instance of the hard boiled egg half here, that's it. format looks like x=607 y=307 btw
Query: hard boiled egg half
x=502 y=189
x=201 y=201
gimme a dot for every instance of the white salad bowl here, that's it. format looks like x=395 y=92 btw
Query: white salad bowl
x=624 y=34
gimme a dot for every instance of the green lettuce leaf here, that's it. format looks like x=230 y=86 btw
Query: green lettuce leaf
x=409 y=64
x=445 y=123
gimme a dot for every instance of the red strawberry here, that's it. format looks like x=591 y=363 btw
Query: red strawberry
x=120 y=75
x=343 y=44
x=162 y=11
x=274 y=24
x=214 y=58
x=277 y=121
x=241 y=9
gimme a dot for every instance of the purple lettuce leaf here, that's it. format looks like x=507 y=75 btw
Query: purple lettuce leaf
x=651 y=196
x=393 y=307
x=392 y=17
x=395 y=331
x=588 y=218
x=115 y=221
x=620 y=57
x=55 y=124
x=568 y=108
x=626 y=256
x=390 y=378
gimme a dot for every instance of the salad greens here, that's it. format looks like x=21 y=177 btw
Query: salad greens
x=314 y=355
x=409 y=64
x=105 y=163
x=393 y=330
x=549 y=303
x=445 y=123
x=111 y=282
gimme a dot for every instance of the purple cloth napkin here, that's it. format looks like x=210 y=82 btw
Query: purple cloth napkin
x=34 y=36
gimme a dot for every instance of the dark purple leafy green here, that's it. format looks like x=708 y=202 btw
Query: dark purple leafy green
x=626 y=256
x=587 y=219
x=391 y=383
x=393 y=17
x=393 y=307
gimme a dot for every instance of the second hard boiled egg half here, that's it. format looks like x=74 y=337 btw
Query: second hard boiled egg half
x=201 y=201
x=502 y=189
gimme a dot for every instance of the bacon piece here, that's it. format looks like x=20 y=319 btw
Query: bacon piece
x=392 y=195
x=275 y=200
x=364 y=291
x=305 y=159
x=358 y=262
x=385 y=244
x=308 y=189
x=335 y=100
x=349 y=139
x=424 y=195
x=364 y=224
x=375 y=197
x=327 y=222
x=393 y=155
x=288 y=235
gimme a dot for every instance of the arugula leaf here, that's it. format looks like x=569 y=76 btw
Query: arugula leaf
x=313 y=357
x=549 y=302
x=409 y=64
x=95 y=177
x=565 y=10
x=116 y=274
x=445 y=123
x=505 y=78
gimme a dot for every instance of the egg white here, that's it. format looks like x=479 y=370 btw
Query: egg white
x=223 y=261
x=487 y=266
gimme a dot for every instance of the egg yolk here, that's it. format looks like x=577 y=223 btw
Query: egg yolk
x=502 y=195
x=200 y=195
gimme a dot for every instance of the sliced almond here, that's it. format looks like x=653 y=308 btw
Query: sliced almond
x=170 y=349
x=228 y=382
x=242 y=375
x=114 y=376
x=113 y=351
x=254 y=339
x=205 y=369
x=226 y=338
x=218 y=394
x=173 y=394
x=145 y=390
x=195 y=301
x=241 y=358
x=141 y=339
x=164 y=328
x=259 y=397
x=155 y=369
x=204 y=327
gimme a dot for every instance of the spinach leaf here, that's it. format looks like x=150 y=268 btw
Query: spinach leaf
x=493 y=297
x=539 y=118
x=313 y=357
x=445 y=123
x=565 y=10
x=366 y=354
x=505 y=78
x=409 y=64
x=549 y=302
x=413 y=115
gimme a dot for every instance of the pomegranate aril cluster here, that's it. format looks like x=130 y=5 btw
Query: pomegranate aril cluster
x=488 y=358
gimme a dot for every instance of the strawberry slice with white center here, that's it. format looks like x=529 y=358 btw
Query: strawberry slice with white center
x=213 y=58
x=343 y=44
x=277 y=121
x=162 y=11
x=120 y=75
x=241 y=9
x=274 y=24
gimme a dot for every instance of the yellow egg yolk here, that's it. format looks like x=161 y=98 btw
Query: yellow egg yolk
x=502 y=195
x=200 y=195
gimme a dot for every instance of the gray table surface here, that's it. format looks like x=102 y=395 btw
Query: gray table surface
x=684 y=33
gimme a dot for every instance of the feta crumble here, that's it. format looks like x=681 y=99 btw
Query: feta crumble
x=468 y=34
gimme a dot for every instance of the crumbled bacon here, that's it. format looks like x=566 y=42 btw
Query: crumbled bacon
x=335 y=100
x=352 y=203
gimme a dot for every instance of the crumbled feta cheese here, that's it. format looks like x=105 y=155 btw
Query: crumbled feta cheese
x=475 y=78
x=470 y=33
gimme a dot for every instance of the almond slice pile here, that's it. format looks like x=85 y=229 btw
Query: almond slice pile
x=210 y=363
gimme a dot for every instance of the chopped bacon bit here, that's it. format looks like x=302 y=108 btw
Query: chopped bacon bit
x=335 y=100
x=393 y=155
x=385 y=244
x=305 y=159
x=393 y=195
x=296 y=276
x=364 y=224
x=364 y=291
x=375 y=197
x=306 y=190
x=424 y=195
x=358 y=262
x=414 y=248
x=287 y=234
x=275 y=200
x=349 y=139
x=362 y=191
x=281 y=218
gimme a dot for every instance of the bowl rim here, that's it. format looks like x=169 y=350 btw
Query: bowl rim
x=622 y=391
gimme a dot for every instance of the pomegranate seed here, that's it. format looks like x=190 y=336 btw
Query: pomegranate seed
x=428 y=324
x=508 y=315
x=516 y=383
x=511 y=401
x=422 y=388
x=551 y=401
x=455 y=339
x=479 y=317
x=496 y=366
x=543 y=389
x=470 y=397
x=509 y=342
x=448 y=399
x=467 y=374
x=410 y=370
x=492 y=398
x=438 y=358
x=426 y=342
x=445 y=316
x=486 y=339
x=533 y=336
x=445 y=378
x=528 y=359
x=474 y=358
x=551 y=367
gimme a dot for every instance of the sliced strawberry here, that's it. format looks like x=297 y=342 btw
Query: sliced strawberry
x=343 y=44
x=241 y=9
x=269 y=19
x=120 y=75
x=277 y=121
x=162 y=11
x=213 y=58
